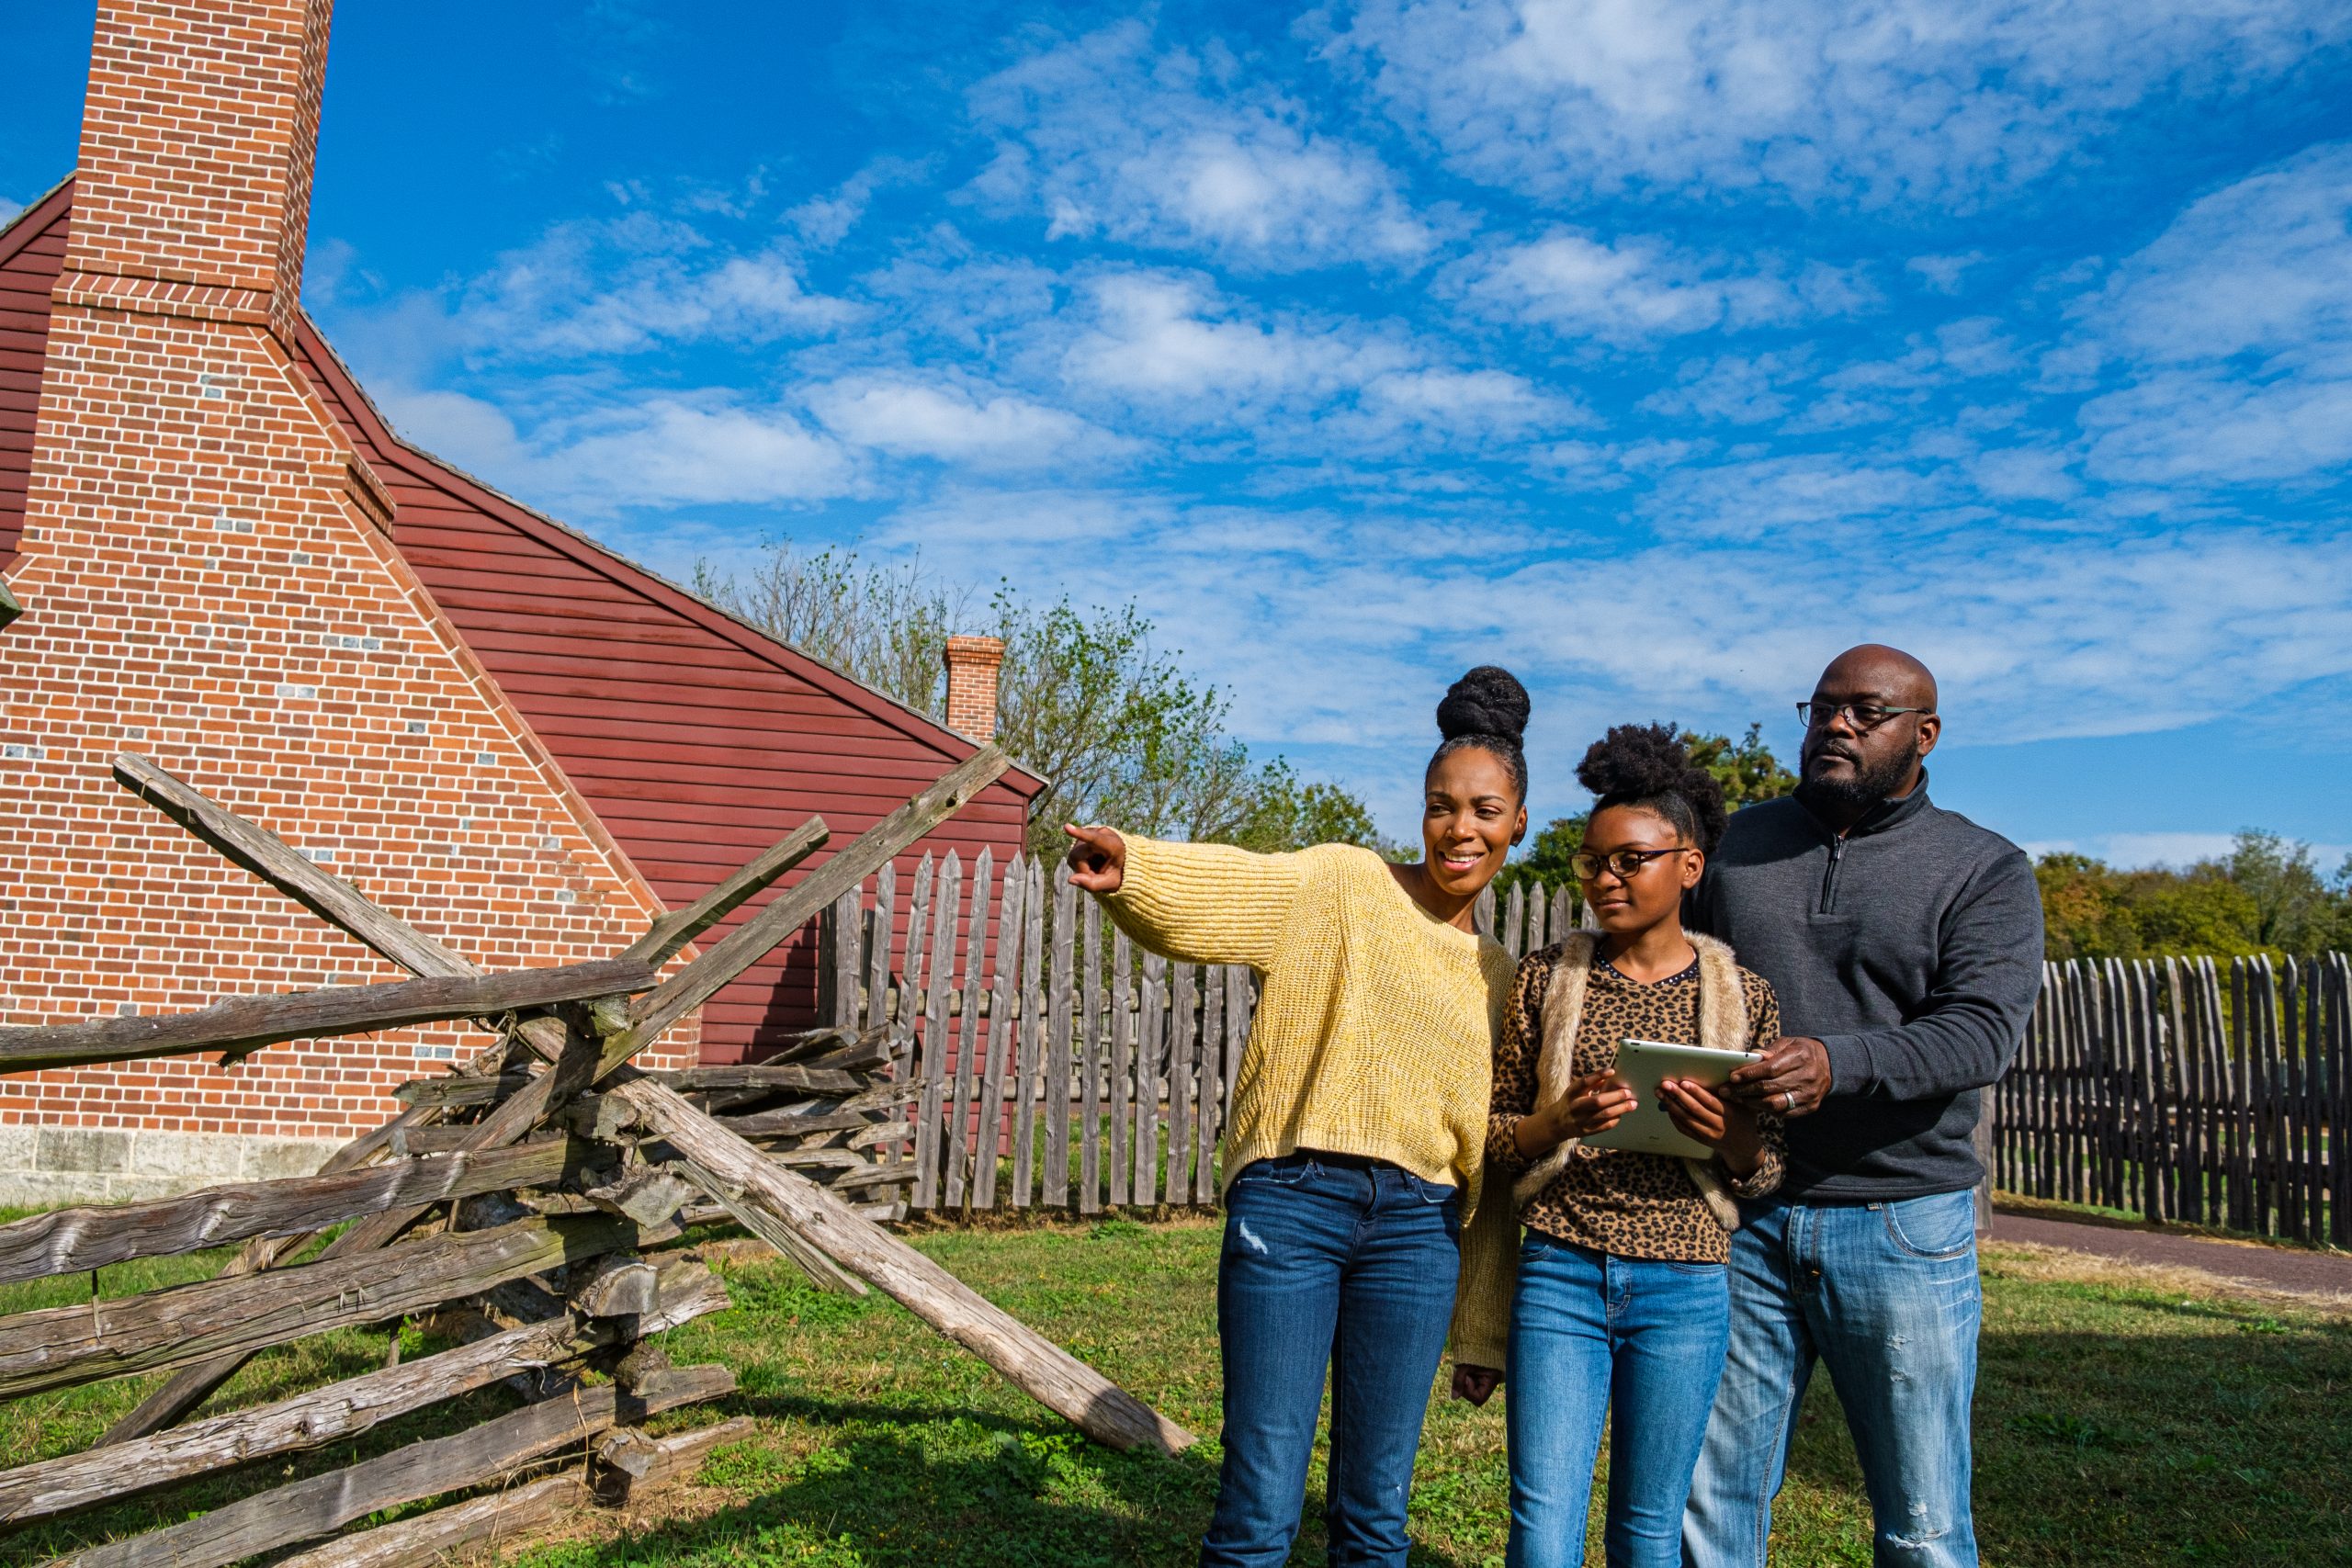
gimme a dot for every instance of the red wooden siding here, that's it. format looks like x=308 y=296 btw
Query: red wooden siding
x=31 y=250
x=696 y=739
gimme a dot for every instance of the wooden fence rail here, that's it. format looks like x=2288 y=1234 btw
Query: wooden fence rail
x=2212 y=1091
x=1057 y=1066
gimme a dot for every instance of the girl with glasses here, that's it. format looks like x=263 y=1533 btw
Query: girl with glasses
x=1358 y=1127
x=1616 y=1299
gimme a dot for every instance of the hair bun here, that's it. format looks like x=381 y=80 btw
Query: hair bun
x=1488 y=701
x=1636 y=760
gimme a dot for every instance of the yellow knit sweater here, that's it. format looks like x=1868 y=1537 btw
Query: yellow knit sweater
x=1375 y=1031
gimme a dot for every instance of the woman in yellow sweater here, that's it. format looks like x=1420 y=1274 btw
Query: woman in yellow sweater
x=1358 y=1125
x=1617 y=1301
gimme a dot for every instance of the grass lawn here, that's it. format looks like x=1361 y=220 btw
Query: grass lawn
x=2125 y=1417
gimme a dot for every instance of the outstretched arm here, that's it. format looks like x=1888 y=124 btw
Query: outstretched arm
x=1198 y=903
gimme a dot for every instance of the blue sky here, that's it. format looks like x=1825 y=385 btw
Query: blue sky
x=1653 y=349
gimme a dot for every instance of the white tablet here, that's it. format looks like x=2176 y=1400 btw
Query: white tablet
x=1642 y=1066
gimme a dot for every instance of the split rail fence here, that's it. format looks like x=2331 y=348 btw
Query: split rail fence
x=2195 y=1089
x=531 y=1209
x=1054 y=1064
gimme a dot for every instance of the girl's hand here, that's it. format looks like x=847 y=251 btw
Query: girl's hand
x=1476 y=1385
x=1098 y=860
x=1729 y=1129
x=1594 y=1104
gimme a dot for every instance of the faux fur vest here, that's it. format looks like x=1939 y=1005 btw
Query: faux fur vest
x=1722 y=1026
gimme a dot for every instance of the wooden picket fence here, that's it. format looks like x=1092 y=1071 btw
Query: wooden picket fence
x=2207 y=1091
x=1057 y=1064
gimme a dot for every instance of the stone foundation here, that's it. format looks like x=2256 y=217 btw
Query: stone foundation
x=43 y=1166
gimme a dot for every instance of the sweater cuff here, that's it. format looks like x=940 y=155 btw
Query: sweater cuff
x=1849 y=1064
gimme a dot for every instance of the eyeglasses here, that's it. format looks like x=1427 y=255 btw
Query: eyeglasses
x=1861 y=715
x=1626 y=863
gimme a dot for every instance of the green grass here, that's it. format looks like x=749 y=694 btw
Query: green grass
x=2124 y=1419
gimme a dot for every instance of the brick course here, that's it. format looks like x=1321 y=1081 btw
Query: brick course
x=207 y=579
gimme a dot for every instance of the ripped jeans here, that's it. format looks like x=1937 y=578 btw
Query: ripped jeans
x=1339 y=1263
x=1886 y=1296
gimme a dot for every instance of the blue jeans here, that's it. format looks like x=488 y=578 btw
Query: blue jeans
x=1637 y=1338
x=1347 y=1266
x=1886 y=1294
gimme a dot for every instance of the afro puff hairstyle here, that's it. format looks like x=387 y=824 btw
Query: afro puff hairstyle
x=1486 y=710
x=1646 y=766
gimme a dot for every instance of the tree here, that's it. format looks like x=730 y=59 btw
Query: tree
x=2266 y=896
x=1085 y=699
x=1746 y=768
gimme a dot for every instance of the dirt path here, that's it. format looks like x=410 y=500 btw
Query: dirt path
x=2276 y=1267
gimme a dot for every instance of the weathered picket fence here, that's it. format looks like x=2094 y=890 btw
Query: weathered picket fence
x=2210 y=1091
x=1055 y=1065
x=529 y=1206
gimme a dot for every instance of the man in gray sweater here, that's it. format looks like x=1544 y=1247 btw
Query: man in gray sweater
x=1905 y=942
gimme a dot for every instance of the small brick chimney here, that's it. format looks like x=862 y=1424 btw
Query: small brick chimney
x=972 y=664
x=202 y=107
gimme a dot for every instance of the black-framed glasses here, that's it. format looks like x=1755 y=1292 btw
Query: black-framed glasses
x=1626 y=863
x=1861 y=715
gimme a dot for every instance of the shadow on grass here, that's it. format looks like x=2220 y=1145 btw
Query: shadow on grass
x=2215 y=1433
x=939 y=1487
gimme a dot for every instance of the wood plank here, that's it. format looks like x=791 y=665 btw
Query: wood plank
x=879 y=928
x=274 y=861
x=904 y=1049
x=938 y=1032
x=62 y=1347
x=320 y=1504
x=1035 y=1364
x=1184 y=1045
x=1003 y=1036
x=654 y=1012
x=1209 y=1098
x=1151 y=1052
x=1515 y=921
x=508 y=1518
x=967 y=1045
x=1089 y=1041
x=780 y=1077
x=1123 y=1067
x=242 y=1025
x=1059 y=1020
x=338 y=1412
x=669 y=935
x=1033 y=1035
x=69 y=1241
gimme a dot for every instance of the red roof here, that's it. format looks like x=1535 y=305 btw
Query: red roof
x=697 y=740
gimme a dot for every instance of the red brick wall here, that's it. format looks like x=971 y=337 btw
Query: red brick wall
x=207 y=579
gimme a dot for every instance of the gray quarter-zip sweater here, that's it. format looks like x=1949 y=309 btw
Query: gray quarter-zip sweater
x=1911 y=948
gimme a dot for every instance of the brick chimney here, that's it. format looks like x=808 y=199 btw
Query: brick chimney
x=198 y=106
x=972 y=664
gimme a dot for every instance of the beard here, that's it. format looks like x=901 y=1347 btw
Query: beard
x=1858 y=791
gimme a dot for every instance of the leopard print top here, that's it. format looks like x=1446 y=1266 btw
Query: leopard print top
x=1621 y=1202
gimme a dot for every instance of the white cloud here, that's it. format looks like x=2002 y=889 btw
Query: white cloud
x=1186 y=150
x=1930 y=100
x=631 y=285
x=1943 y=274
x=1171 y=339
x=658 y=451
x=984 y=430
x=1634 y=289
x=1734 y=388
x=2234 y=328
